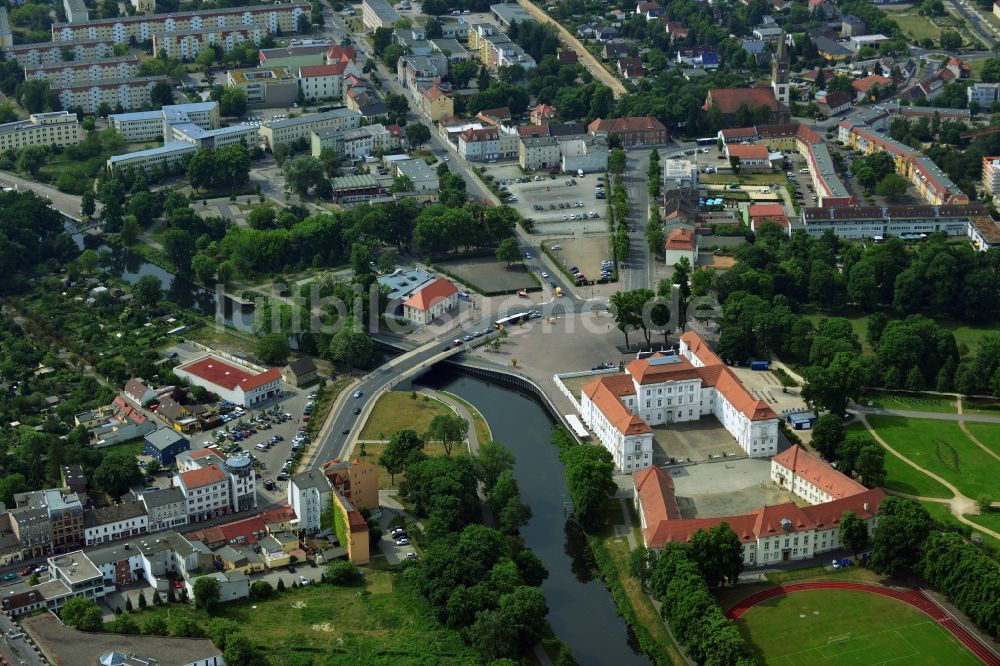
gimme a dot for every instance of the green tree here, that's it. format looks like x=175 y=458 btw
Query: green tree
x=206 y=592
x=828 y=434
x=155 y=625
x=124 y=624
x=853 y=533
x=351 y=346
x=148 y=290
x=655 y=236
x=261 y=589
x=10 y=485
x=899 y=535
x=303 y=173
x=342 y=573
x=401 y=183
x=117 y=473
x=262 y=217
x=490 y=462
x=239 y=650
x=129 y=235
x=204 y=268
x=31 y=159
x=81 y=613
x=616 y=161
x=892 y=186
x=272 y=348
x=88 y=205
x=508 y=251
x=950 y=40
x=179 y=247
x=417 y=133
x=589 y=479
x=991 y=70
x=870 y=465
x=399 y=452
x=233 y=102
x=448 y=429
x=397 y=106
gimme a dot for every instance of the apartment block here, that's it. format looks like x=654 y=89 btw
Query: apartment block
x=991 y=175
x=166 y=155
x=49 y=53
x=326 y=81
x=187 y=44
x=58 y=128
x=131 y=93
x=378 y=14
x=122 y=30
x=265 y=86
x=287 y=130
x=310 y=495
x=76 y=11
x=207 y=492
x=98 y=69
x=118 y=521
x=984 y=94
x=142 y=126
x=354 y=144
x=215 y=138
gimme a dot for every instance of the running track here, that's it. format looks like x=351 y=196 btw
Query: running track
x=914 y=598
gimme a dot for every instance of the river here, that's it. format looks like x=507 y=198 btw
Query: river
x=581 y=609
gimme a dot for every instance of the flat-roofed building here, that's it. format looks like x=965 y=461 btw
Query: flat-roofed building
x=78 y=573
x=287 y=130
x=242 y=133
x=166 y=155
x=452 y=49
x=540 y=152
x=353 y=144
x=293 y=57
x=856 y=222
x=265 y=86
x=58 y=128
x=991 y=175
x=76 y=11
x=133 y=93
x=423 y=176
x=100 y=69
x=378 y=14
x=357 y=188
x=187 y=44
x=54 y=52
x=508 y=13
x=141 y=126
x=273 y=17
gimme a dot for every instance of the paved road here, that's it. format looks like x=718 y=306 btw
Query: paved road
x=68 y=204
x=967 y=416
x=986 y=32
x=640 y=266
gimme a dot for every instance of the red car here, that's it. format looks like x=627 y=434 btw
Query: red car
x=305 y=418
x=27 y=571
x=177 y=584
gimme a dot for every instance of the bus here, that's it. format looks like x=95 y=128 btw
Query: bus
x=707 y=141
x=510 y=320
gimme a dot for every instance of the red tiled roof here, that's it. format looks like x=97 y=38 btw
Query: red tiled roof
x=738 y=132
x=431 y=295
x=206 y=476
x=229 y=376
x=606 y=394
x=818 y=472
x=655 y=490
x=765 y=210
x=699 y=347
x=336 y=53
x=629 y=124
x=729 y=100
x=336 y=69
x=865 y=85
x=476 y=135
x=207 y=453
x=864 y=505
x=681 y=531
x=752 y=152
x=647 y=371
x=680 y=239
x=278 y=514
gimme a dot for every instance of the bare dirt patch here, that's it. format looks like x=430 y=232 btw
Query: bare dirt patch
x=487 y=275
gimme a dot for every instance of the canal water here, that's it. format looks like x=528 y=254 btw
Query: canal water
x=129 y=266
x=581 y=609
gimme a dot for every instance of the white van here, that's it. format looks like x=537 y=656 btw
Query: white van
x=803 y=170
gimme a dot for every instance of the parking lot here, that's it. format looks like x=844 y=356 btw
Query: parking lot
x=293 y=403
x=584 y=252
x=566 y=204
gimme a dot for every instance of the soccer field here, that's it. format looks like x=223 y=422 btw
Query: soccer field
x=847 y=628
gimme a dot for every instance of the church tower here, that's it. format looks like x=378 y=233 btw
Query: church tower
x=779 y=73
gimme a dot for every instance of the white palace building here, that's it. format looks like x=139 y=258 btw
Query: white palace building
x=665 y=389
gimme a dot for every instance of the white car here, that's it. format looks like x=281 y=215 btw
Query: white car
x=544 y=274
x=303 y=580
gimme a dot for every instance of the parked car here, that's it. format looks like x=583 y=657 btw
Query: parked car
x=303 y=580
x=10 y=576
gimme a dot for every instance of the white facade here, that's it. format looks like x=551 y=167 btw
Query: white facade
x=288 y=130
x=58 y=128
x=205 y=499
x=52 y=52
x=142 y=126
x=985 y=94
x=187 y=44
x=133 y=93
x=170 y=153
x=120 y=529
x=101 y=69
x=310 y=495
x=166 y=511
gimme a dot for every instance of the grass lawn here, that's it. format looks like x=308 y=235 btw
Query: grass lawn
x=743 y=178
x=796 y=629
x=482 y=427
x=383 y=622
x=988 y=434
x=942 y=513
x=900 y=477
x=397 y=410
x=969 y=336
x=989 y=520
x=373 y=451
x=132 y=447
x=904 y=401
x=941 y=447
x=914 y=26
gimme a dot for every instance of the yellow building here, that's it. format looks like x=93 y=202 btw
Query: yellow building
x=58 y=128
x=351 y=529
x=435 y=103
x=356 y=480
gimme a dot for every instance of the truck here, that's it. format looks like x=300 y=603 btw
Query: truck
x=759 y=365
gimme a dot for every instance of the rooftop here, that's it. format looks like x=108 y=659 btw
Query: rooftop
x=113 y=513
x=313 y=479
x=216 y=371
x=205 y=476
x=205 y=14
x=165 y=149
x=403 y=282
x=430 y=295
x=75 y=567
x=416 y=170
x=164 y=437
x=260 y=75
x=162 y=497
x=383 y=10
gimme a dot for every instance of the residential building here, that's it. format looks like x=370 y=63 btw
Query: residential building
x=301 y=372
x=630 y=68
x=631 y=131
x=698 y=57
x=858 y=42
x=243 y=133
x=176 y=415
x=29 y=521
x=241 y=385
x=265 y=86
x=857 y=222
x=851 y=26
x=354 y=144
x=165 y=508
x=541 y=114
x=679 y=174
x=932 y=85
x=430 y=302
x=52 y=52
x=537 y=153
x=834 y=103
x=752 y=158
x=310 y=496
x=325 y=81
x=294 y=57
x=207 y=492
x=768 y=30
x=121 y=520
x=681 y=243
x=665 y=389
x=138 y=392
x=242 y=482
x=79 y=575
x=830 y=189
x=351 y=529
x=415 y=72
x=769 y=212
x=830 y=50
x=167 y=155
x=287 y=130
x=57 y=128
x=983 y=94
x=65 y=519
x=871 y=87
x=507 y=14
x=737 y=103
x=413 y=40
x=187 y=44
x=100 y=69
x=582 y=152
x=435 y=102
x=128 y=93
x=163 y=445
x=378 y=14
x=124 y=29
x=356 y=480
x=357 y=188
x=452 y=49
x=76 y=11
x=114 y=423
x=496 y=49
x=991 y=175
x=362 y=99
x=423 y=176
x=650 y=10
x=143 y=126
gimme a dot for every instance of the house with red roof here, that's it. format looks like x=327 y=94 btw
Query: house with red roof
x=752 y=158
x=769 y=212
x=326 y=81
x=239 y=384
x=737 y=105
x=206 y=491
x=664 y=389
x=681 y=243
x=436 y=299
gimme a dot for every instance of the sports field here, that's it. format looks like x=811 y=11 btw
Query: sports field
x=847 y=628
